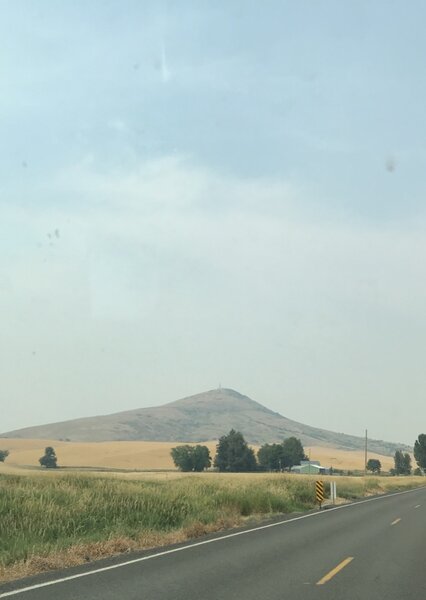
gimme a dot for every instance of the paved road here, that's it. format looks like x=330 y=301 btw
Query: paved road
x=372 y=550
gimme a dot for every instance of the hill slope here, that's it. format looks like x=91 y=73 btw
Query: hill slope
x=198 y=418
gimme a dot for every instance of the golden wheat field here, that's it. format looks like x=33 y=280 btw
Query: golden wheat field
x=149 y=455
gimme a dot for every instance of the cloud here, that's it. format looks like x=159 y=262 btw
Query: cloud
x=167 y=225
x=190 y=269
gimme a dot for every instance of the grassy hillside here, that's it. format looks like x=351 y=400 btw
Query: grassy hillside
x=204 y=416
x=62 y=520
x=150 y=455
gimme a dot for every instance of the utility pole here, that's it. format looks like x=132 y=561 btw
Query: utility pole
x=365 y=454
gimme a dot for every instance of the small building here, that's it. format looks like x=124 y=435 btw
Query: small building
x=310 y=467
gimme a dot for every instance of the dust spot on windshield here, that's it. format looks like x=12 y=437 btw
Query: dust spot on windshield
x=390 y=164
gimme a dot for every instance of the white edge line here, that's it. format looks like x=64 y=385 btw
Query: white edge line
x=195 y=544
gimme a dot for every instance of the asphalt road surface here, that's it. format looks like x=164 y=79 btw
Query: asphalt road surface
x=370 y=550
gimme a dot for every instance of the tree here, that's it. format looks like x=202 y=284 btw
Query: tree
x=418 y=472
x=271 y=457
x=233 y=454
x=374 y=465
x=3 y=455
x=402 y=462
x=182 y=457
x=407 y=462
x=49 y=459
x=420 y=451
x=398 y=462
x=201 y=458
x=276 y=457
x=293 y=452
x=191 y=458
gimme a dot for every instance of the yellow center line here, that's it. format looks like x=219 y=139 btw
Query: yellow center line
x=395 y=522
x=334 y=571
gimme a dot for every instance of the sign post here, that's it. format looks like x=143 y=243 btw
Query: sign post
x=333 y=492
x=319 y=492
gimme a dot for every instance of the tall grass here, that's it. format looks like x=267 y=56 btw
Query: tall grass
x=45 y=514
x=41 y=516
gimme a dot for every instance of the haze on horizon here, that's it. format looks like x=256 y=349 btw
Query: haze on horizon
x=196 y=193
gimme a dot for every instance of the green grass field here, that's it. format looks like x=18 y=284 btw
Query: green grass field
x=61 y=520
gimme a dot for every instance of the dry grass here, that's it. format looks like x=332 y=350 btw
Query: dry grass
x=79 y=554
x=56 y=520
x=346 y=459
x=60 y=520
x=149 y=455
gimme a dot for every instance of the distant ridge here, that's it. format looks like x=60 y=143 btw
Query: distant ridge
x=199 y=418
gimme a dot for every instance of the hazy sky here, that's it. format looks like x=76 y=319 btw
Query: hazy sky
x=203 y=192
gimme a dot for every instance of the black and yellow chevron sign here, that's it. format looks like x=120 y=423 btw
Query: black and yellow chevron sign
x=319 y=492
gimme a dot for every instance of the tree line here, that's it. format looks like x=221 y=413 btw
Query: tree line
x=402 y=460
x=234 y=455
